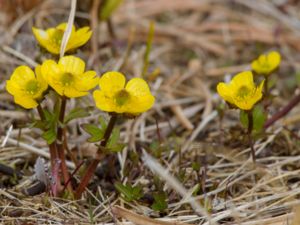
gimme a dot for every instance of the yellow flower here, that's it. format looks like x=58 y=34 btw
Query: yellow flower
x=51 y=38
x=67 y=77
x=266 y=64
x=241 y=91
x=114 y=96
x=26 y=87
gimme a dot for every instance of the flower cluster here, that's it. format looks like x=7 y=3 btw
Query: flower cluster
x=68 y=78
x=242 y=92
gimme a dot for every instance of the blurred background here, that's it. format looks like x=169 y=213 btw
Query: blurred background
x=191 y=45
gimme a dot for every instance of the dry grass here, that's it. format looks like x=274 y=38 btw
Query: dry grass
x=196 y=43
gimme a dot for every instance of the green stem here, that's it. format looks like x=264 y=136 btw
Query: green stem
x=249 y=132
x=60 y=145
x=93 y=165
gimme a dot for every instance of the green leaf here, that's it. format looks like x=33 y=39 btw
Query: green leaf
x=117 y=147
x=128 y=192
x=38 y=124
x=114 y=138
x=103 y=122
x=48 y=115
x=95 y=132
x=49 y=136
x=259 y=118
x=244 y=118
x=109 y=6
x=76 y=113
x=160 y=202
x=196 y=166
x=50 y=119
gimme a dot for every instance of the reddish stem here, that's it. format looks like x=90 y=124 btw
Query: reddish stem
x=72 y=175
x=93 y=165
x=52 y=147
x=283 y=111
x=60 y=145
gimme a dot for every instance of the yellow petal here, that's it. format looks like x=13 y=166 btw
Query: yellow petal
x=58 y=88
x=50 y=71
x=103 y=102
x=137 y=87
x=244 y=78
x=141 y=98
x=225 y=92
x=41 y=36
x=274 y=59
x=255 y=66
x=13 y=88
x=71 y=64
x=42 y=82
x=26 y=102
x=267 y=63
x=71 y=92
x=111 y=82
x=245 y=105
x=22 y=74
x=47 y=39
x=63 y=27
x=87 y=81
x=79 y=38
x=258 y=92
x=140 y=104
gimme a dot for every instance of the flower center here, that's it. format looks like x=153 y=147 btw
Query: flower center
x=122 y=97
x=32 y=87
x=243 y=91
x=67 y=79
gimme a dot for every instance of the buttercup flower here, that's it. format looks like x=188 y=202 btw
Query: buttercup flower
x=116 y=96
x=266 y=64
x=51 y=38
x=67 y=77
x=241 y=91
x=26 y=87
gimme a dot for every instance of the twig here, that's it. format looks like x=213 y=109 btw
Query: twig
x=139 y=219
x=285 y=110
x=92 y=167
